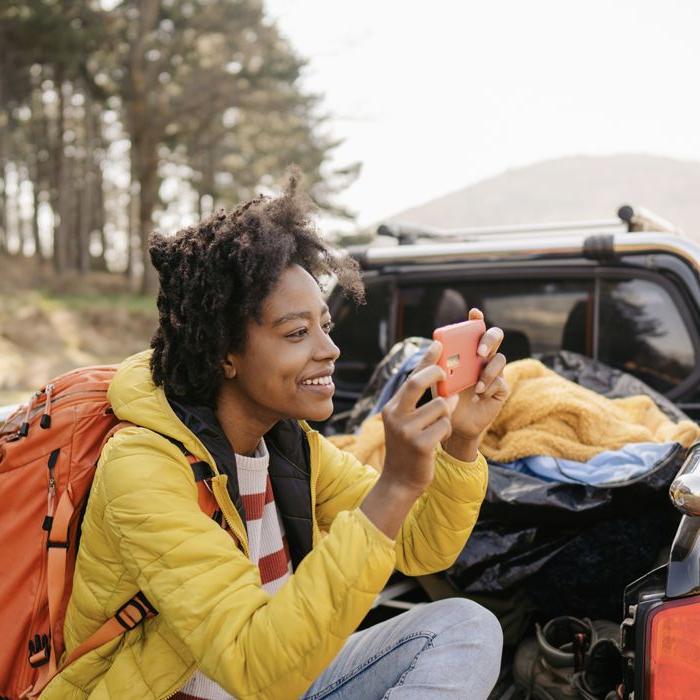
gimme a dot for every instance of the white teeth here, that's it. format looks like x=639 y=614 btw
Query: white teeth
x=318 y=380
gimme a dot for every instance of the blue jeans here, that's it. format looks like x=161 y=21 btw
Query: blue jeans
x=445 y=650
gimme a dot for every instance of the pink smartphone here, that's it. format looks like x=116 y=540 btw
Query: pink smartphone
x=459 y=359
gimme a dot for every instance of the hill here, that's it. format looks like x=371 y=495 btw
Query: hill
x=580 y=187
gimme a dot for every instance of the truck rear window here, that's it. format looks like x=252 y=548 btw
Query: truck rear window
x=642 y=332
x=532 y=313
x=631 y=324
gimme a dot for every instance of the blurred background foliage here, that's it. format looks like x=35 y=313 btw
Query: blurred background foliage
x=117 y=117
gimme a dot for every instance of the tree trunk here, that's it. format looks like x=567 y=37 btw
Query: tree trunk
x=36 y=171
x=132 y=225
x=4 y=129
x=148 y=178
x=4 y=118
x=24 y=224
x=44 y=164
x=98 y=220
x=86 y=204
x=38 y=251
x=59 y=203
x=3 y=193
x=16 y=212
x=143 y=132
x=70 y=213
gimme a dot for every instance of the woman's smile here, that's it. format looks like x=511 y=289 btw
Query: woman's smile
x=323 y=386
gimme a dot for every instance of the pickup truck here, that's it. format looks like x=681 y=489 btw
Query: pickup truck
x=624 y=291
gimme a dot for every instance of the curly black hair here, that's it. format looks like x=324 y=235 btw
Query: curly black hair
x=214 y=277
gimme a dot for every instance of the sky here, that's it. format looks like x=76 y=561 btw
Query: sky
x=434 y=96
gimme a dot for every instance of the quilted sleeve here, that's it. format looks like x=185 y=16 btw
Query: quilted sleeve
x=438 y=525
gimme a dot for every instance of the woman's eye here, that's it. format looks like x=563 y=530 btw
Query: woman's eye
x=301 y=332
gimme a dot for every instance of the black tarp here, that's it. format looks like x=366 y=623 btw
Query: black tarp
x=569 y=548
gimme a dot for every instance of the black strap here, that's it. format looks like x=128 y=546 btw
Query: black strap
x=202 y=471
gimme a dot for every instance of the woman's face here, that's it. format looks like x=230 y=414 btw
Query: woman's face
x=286 y=368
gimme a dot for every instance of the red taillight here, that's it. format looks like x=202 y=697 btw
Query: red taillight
x=673 y=651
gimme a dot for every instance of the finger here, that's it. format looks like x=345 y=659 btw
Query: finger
x=419 y=381
x=476 y=315
x=431 y=411
x=431 y=356
x=437 y=432
x=489 y=373
x=498 y=390
x=490 y=342
x=452 y=402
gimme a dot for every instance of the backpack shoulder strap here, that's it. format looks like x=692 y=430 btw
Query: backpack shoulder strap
x=203 y=474
x=137 y=609
x=201 y=471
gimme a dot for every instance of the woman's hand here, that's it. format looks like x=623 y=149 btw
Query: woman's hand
x=474 y=409
x=411 y=432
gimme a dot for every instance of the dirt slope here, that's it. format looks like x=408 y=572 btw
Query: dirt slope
x=50 y=326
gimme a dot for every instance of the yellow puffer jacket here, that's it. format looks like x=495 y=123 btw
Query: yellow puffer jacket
x=143 y=530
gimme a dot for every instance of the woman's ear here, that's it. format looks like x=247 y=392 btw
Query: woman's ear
x=229 y=367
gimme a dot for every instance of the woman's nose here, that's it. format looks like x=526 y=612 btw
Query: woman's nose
x=327 y=349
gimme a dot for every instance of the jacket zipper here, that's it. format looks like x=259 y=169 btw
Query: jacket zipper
x=232 y=518
x=312 y=437
x=181 y=686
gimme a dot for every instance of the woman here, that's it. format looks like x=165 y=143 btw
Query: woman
x=263 y=602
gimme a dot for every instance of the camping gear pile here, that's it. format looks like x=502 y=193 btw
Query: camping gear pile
x=580 y=462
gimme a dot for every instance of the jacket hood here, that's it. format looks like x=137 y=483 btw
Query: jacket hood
x=135 y=398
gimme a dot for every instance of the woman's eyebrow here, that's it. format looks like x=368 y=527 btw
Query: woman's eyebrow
x=293 y=315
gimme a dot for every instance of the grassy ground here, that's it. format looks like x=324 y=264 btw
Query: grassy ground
x=50 y=325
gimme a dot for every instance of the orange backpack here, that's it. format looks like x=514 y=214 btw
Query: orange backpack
x=49 y=449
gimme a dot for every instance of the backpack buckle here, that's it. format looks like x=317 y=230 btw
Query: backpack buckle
x=39 y=650
x=40 y=658
x=134 y=612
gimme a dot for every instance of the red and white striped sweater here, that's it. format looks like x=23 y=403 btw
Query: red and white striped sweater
x=267 y=545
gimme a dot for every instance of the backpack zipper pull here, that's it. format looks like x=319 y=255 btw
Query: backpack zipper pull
x=45 y=421
x=51 y=495
x=24 y=428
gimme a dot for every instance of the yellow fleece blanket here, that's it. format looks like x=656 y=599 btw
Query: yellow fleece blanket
x=546 y=414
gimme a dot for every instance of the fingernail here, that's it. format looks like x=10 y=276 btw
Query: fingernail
x=479 y=387
x=483 y=350
x=475 y=398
